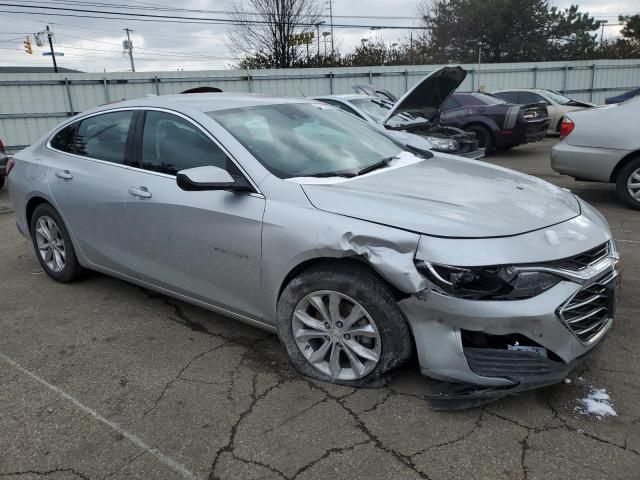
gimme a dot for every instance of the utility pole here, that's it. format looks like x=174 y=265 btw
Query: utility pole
x=602 y=24
x=53 y=54
x=331 y=20
x=129 y=46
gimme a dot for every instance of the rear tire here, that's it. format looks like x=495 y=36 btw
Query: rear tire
x=1 y=181
x=485 y=138
x=52 y=244
x=378 y=341
x=628 y=184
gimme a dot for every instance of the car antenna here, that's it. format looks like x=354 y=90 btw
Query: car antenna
x=301 y=92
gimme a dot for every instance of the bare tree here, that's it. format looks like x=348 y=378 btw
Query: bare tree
x=263 y=30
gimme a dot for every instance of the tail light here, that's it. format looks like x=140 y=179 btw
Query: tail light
x=566 y=127
x=10 y=164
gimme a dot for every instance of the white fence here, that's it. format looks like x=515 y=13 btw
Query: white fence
x=31 y=104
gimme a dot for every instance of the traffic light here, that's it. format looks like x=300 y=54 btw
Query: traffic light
x=27 y=46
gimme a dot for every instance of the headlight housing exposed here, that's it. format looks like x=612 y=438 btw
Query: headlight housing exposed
x=487 y=283
x=443 y=144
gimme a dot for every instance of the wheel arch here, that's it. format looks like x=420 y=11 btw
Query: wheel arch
x=623 y=163
x=356 y=261
x=31 y=206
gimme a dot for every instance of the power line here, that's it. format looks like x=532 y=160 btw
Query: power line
x=182 y=19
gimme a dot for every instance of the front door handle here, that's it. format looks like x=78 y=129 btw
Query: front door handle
x=141 y=192
x=65 y=175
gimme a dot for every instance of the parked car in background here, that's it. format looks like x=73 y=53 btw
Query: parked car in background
x=556 y=103
x=438 y=138
x=3 y=164
x=612 y=154
x=416 y=113
x=497 y=124
x=623 y=96
x=303 y=220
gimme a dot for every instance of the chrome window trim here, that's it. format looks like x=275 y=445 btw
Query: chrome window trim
x=48 y=146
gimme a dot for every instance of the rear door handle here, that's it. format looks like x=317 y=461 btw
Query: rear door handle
x=141 y=192
x=65 y=175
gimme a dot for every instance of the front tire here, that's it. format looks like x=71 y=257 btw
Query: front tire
x=341 y=324
x=53 y=246
x=628 y=184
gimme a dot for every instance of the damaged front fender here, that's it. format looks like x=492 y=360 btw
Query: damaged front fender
x=292 y=237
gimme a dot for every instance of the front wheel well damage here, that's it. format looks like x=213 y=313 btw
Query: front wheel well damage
x=353 y=261
x=622 y=163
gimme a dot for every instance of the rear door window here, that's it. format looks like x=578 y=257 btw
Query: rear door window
x=104 y=137
x=529 y=97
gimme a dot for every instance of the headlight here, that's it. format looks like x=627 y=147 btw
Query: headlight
x=443 y=144
x=487 y=283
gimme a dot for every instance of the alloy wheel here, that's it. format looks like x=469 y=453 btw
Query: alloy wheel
x=50 y=244
x=633 y=185
x=336 y=335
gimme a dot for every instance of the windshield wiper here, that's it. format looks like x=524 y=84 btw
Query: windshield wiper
x=382 y=163
x=328 y=174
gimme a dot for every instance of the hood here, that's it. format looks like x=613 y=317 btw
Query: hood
x=427 y=96
x=447 y=196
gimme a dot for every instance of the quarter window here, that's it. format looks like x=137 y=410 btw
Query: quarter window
x=104 y=137
x=171 y=144
x=65 y=138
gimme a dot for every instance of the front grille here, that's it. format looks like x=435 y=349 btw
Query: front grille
x=582 y=260
x=589 y=310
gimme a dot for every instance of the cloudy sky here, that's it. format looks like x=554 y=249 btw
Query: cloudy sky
x=95 y=45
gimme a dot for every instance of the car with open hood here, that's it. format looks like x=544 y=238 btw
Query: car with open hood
x=415 y=116
x=298 y=218
x=557 y=104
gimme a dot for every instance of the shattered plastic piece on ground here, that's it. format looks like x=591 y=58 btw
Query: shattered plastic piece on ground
x=597 y=403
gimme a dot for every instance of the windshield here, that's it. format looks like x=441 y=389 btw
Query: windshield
x=378 y=109
x=305 y=139
x=557 y=97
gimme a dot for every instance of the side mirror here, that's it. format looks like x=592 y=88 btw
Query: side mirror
x=209 y=178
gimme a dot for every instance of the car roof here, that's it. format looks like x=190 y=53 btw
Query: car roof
x=345 y=96
x=541 y=90
x=205 y=102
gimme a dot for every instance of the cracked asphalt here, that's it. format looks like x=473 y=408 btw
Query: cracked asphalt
x=103 y=380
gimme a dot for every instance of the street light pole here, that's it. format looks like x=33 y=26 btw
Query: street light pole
x=318 y=34
x=479 y=62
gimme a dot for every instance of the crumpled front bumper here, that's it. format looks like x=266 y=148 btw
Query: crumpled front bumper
x=439 y=324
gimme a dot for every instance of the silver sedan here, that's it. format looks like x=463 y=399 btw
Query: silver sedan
x=296 y=217
x=602 y=145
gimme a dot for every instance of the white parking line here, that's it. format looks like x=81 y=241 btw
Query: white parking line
x=137 y=441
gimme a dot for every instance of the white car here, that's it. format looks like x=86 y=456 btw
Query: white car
x=557 y=104
x=602 y=145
